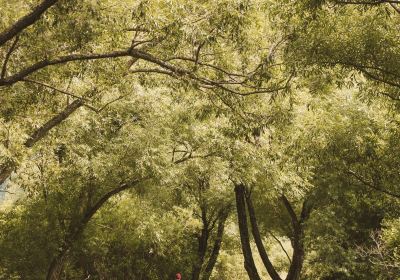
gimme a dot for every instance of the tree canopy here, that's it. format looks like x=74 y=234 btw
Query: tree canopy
x=218 y=139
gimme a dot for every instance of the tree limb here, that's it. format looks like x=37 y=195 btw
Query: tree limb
x=59 y=60
x=56 y=120
x=372 y=185
x=281 y=245
x=25 y=21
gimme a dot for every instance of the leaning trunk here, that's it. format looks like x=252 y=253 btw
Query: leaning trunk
x=249 y=264
x=257 y=238
x=57 y=265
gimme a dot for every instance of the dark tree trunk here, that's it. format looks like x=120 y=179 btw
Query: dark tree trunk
x=297 y=239
x=75 y=230
x=249 y=264
x=258 y=240
x=217 y=246
x=57 y=265
x=202 y=246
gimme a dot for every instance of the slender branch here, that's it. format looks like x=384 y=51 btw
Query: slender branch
x=372 y=185
x=25 y=21
x=7 y=57
x=56 y=89
x=281 y=245
x=395 y=98
x=6 y=191
x=105 y=105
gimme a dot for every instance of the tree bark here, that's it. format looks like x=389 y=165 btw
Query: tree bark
x=249 y=264
x=77 y=229
x=258 y=240
x=217 y=246
x=25 y=21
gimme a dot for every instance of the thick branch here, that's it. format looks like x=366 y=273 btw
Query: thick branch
x=25 y=21
x=56 y=120
x=60 y=60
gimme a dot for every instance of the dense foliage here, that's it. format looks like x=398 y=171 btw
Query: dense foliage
x=219 y=139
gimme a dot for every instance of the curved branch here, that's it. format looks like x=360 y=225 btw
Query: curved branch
x=7 y=57
x=59 y=60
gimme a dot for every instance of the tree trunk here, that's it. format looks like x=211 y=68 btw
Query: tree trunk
x=57 y=265
x=217 y=246
x=297 y=240
x=258 y=240
x=202 y=246
x=249 y=264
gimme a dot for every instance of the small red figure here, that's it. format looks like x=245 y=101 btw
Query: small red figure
x=178 y=276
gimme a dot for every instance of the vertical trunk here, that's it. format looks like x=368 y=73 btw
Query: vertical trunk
x=57 y=264
x=297 y=240
x=217 y=246
x=202 y=246
x=258 y=240
x=249 y=264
